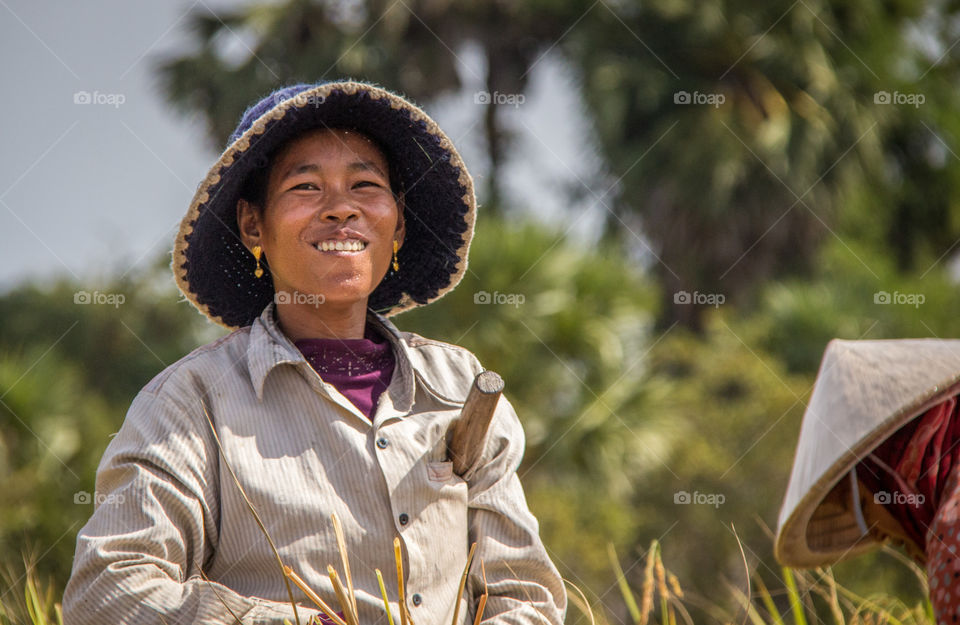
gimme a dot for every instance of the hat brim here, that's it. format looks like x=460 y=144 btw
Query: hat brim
x=213 y=268
x=865 y=391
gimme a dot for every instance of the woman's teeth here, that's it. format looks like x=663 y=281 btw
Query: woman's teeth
x=349 y=245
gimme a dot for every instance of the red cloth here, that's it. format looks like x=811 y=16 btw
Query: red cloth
x=360 y=369
x=914 y=473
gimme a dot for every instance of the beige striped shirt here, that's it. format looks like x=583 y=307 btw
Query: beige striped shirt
x=168 y=512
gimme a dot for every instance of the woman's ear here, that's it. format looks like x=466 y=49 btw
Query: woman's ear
x=248 y=223
x=401 y=230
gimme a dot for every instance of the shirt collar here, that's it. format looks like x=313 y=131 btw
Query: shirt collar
x=270 y=347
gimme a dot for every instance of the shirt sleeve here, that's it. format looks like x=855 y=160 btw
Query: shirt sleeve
x=155 y=524
x=523 y=585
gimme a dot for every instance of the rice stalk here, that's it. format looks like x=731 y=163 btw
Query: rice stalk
x=253 y=511
x=796 y=603
x=345 y=603
x=646 y=597
x=768 y=602
x=666 y=616
x=625 y=591
x=313 y=596
x=342 y=548
x=213 y=587
x=463 y=584
x=383 y=593
x=580 y=601
x=752 y=614
x=483 y=598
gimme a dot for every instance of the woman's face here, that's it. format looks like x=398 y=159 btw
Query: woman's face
x=327 y=189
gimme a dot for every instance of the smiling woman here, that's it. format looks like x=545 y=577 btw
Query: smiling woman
x=328 y=225
x=334 y=207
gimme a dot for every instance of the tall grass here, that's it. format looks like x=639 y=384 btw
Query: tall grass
x=805 y=598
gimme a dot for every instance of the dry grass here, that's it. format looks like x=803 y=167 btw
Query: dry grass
x=804 y=598
x=662 y=599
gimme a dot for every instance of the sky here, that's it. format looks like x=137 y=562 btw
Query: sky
x=97 y=169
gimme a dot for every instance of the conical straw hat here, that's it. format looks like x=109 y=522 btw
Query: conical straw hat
x=865 y=391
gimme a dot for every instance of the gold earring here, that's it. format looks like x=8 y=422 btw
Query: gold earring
x=257 y=251
x=396 y=246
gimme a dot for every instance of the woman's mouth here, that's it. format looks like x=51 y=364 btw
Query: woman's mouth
x=341 y=245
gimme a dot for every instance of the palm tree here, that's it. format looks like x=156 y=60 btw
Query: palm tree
x=741 y=132
x=411 y=46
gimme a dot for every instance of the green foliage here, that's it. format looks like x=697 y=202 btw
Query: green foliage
x=52 y=435
x=801 y=198
x=68 y=372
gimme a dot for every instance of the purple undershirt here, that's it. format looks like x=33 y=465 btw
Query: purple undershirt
x=360 y=369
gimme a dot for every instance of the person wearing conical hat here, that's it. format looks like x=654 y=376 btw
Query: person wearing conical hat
x=334 y=207
x=878 y=460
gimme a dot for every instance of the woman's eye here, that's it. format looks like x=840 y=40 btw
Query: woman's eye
x=366 y=183
x=305 y=186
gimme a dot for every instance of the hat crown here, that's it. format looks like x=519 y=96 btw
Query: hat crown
x=253 y=113
x=216 y=271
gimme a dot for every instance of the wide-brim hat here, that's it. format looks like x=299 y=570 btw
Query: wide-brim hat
x=864 y=392
x=215 y=271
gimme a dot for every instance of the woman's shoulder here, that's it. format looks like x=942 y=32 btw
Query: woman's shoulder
x=214 y=358
x=447 y=368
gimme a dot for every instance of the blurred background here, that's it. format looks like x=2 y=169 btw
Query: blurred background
x=682 y=202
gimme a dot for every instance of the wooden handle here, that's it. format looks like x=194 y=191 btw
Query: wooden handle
x=467 y=434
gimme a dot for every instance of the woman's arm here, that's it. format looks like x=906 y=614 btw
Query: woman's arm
x=523 y=583
x=139 y=557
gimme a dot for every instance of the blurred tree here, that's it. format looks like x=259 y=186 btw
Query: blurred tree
x=413 y=47
x=739 y=129
x=119 y=344
x=53 y=429
x=734 y=131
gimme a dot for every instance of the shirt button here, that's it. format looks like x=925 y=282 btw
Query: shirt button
x=382 y=443
x=404 y=518
x=417 y=599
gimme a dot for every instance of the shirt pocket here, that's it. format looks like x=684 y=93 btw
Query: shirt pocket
x=440 y=471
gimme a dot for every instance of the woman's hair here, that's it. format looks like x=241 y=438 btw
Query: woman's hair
x=254 y=187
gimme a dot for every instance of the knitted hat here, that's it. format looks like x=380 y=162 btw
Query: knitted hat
x=214 y=269
x=865 y=391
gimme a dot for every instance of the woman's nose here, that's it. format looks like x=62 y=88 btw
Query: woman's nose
x=339 y=208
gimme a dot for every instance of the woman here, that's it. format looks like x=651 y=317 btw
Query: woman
x=334 y=207
x=879 y=461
